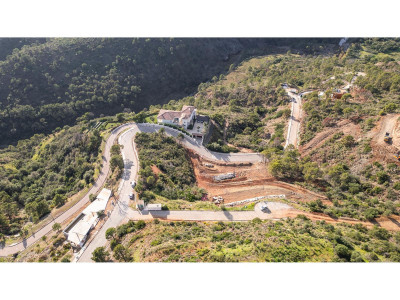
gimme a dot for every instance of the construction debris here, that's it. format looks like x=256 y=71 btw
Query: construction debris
x=224 y=176
x=218 y=199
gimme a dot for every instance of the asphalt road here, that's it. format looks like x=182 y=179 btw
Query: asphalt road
x=195 y=144
x=130 y=173
x=8 y=250
x=206 y=215
x=123 y=211
x=294 y=121
x=121 y=208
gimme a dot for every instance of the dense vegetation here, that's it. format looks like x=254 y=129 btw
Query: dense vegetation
x=46 y=84
x=165 y=168
x=9 y=45
x=292 y=240
x=49 y=84
x=41 y=172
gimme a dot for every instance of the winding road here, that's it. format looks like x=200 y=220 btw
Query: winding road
x=129 y=154
x=12 y=249
x=130 y=173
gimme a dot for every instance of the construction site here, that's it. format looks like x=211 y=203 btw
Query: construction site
x=234 y=182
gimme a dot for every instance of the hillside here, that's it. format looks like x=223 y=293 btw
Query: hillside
x=342 y=154
x=40 y=174
x=293 y=240
x=50 y=84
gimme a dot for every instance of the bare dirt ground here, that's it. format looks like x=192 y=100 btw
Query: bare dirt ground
x=155 y=169
x=252 y=180
x=380 y=149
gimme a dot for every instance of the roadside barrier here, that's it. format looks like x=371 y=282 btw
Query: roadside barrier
x=255 y=199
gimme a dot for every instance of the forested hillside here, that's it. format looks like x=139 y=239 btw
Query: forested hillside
x=7 y=45
x=39 y=174
x=50 y=84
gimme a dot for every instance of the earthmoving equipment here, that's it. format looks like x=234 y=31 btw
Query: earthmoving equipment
x=397 y=156
x=387 y=137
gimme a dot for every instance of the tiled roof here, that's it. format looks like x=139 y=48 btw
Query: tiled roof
x=172 y=114
x=168 y=114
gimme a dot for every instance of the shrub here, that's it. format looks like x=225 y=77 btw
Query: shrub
x=113 y=243
x=343 y=252
x=356 y=257
x=396 y=186
x=66 y=259
x=371 y=213
x=380 y=233
x=140 y=224
x=155 y=242
x=382 y=177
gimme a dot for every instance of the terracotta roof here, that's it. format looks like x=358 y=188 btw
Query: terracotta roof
x=168 y=114
x=187 y=111
x=172 y=114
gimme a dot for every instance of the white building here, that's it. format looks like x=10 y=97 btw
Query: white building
x=78 y=230
x=151 y=207
x=182 y=118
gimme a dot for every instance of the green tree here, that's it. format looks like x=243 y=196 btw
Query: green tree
x=150 y=180
x=343 y=252
x=120 y=117
x=116 y=161
x=122 y=254
x=4 y=224
x=7 y=206
x=311 y=171
x=110 y=233
x=59 y=200
x=56 y=227
x=100 y=255
x=115 y=149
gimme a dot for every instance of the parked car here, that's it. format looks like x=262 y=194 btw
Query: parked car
x=133 y=184
x=131 y=196
x=264 y=207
